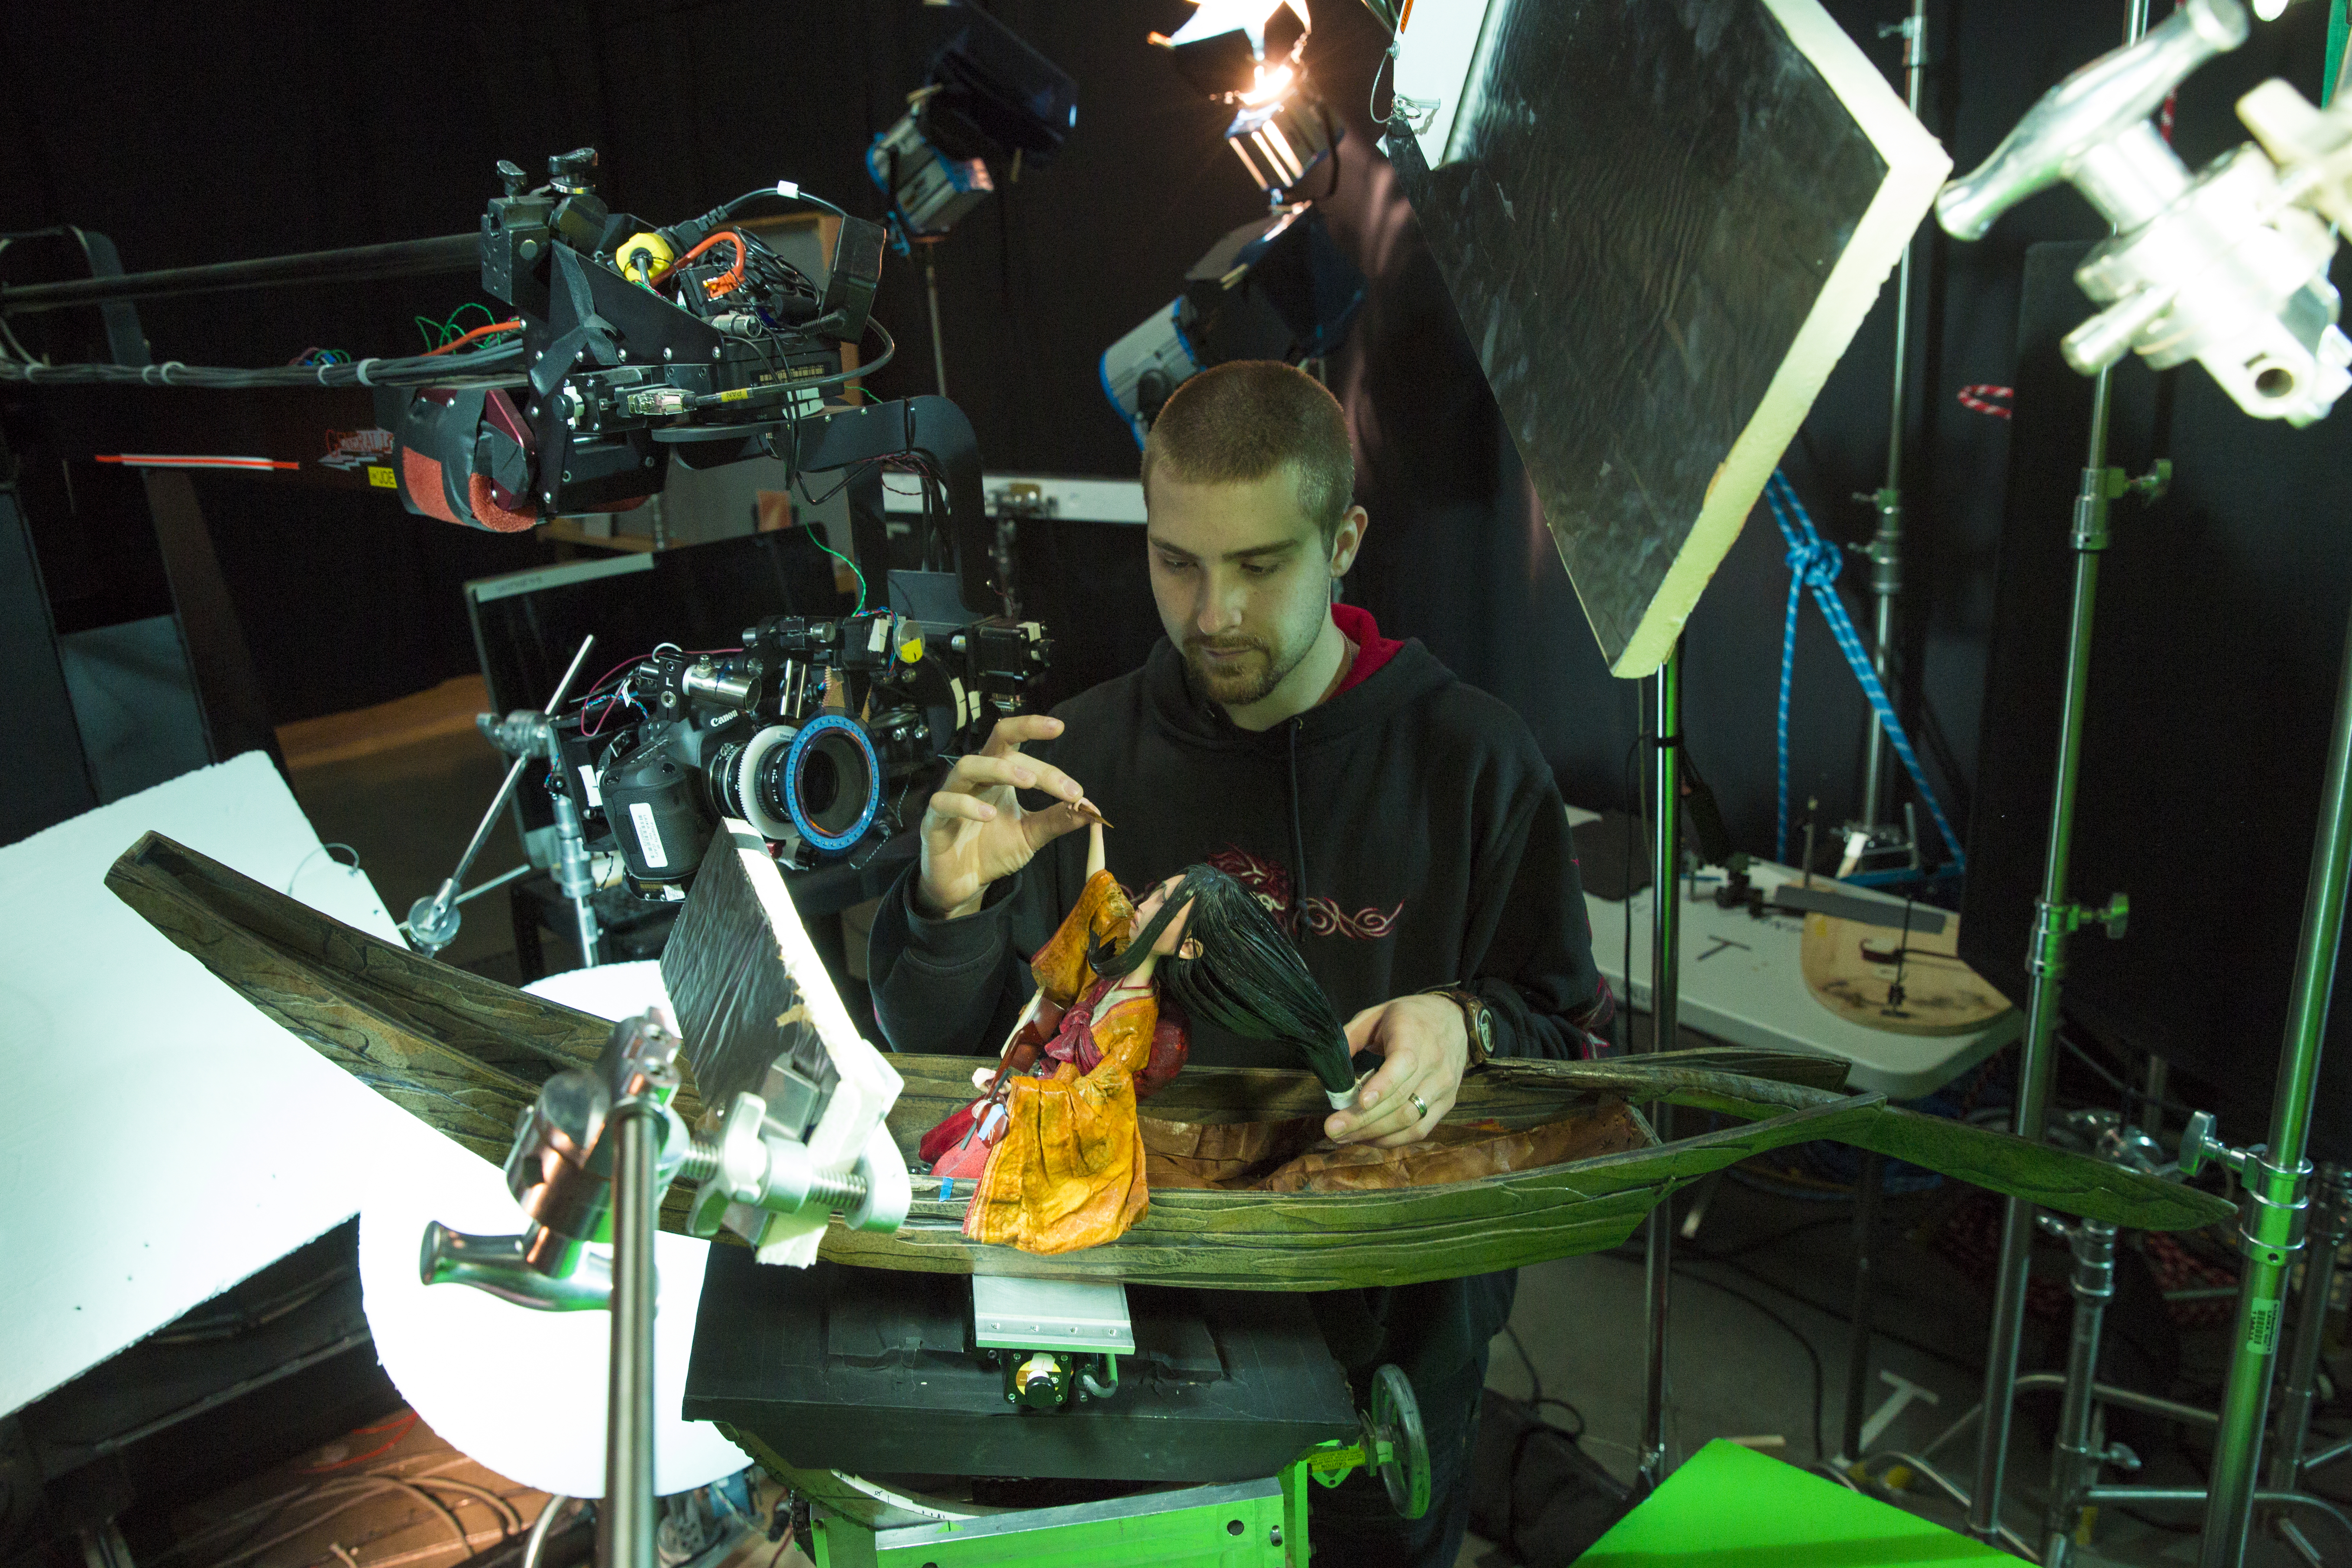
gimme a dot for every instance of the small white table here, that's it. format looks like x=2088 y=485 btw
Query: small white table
x=1741 y=983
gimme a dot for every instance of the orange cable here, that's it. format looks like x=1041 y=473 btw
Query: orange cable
x=514 y=325
x=725 y=282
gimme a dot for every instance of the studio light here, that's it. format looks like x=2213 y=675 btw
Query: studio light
x=987 y=95
x=1247 y=52
x=1277 y=289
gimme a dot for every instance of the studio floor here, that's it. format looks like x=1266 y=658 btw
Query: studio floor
x=1760 y=1343
x=1760 y=1333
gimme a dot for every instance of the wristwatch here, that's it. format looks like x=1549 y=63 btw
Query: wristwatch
x=1477 y=1018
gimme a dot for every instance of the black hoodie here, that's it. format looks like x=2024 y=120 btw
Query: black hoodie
x=1424 y=827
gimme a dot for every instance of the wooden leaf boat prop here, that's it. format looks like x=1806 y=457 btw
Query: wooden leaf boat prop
x=466 y=1054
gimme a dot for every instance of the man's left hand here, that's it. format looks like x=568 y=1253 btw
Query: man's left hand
x=1427 y=1044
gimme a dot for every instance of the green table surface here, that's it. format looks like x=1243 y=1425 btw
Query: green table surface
x=1729 y=1507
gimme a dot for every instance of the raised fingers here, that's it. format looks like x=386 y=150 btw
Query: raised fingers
x=1015 y=730
x=969 y=808
x=979 y=771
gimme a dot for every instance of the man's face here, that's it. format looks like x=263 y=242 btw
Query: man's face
x=1242 y=579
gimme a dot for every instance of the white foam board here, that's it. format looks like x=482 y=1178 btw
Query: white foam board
x=161 y=1140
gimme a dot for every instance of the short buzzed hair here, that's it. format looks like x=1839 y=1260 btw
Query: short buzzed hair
x=1243 y=420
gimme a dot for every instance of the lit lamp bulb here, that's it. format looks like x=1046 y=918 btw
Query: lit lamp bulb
x=1271 y=85
x=2270 y=10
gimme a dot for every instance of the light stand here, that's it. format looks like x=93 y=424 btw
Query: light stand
x=1666 y=973
x=2331 y=1225
x=2076 y=1452
x=2055 y=920
x=1873 y=832
x=931 y=292
x=1870 y=832
x=2276 y=1183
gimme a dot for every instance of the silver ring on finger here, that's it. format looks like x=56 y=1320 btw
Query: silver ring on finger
x=1420 y=1106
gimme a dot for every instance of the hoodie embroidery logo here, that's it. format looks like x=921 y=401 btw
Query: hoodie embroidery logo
x=1270 y=884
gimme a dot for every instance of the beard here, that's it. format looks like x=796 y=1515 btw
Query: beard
x=1237 y=682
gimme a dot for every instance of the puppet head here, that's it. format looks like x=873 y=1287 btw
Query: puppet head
x=1247 y=977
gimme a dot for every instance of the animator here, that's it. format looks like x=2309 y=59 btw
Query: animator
x=1402 y=826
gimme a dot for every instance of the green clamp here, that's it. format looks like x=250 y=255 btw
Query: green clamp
x=2115 y=484
x=1390 y=1444
x=2053 y=923
x=2115 y=917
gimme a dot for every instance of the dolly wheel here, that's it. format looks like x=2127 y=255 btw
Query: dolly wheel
x=1394 y=1445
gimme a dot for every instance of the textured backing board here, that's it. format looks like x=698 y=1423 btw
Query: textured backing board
x=1661 y=222
x=749 y=987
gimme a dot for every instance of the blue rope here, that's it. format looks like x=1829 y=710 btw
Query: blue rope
x=1814 y=564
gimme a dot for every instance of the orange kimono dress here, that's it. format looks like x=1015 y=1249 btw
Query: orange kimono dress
x=1067 y=1171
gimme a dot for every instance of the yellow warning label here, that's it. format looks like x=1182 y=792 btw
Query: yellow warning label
x=382 y=479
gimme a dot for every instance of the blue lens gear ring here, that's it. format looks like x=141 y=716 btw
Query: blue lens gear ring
x=823 y=724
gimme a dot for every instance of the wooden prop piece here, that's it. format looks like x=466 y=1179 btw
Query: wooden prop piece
x=1660 y=224
x=1851 y=969
x=466 y=1054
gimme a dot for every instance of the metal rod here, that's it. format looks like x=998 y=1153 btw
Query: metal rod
x=939 y=347
x=2106 y=1393
x=401 y=259
x=624 y=1537
x=1857 y=1365
x=584 y=927
x=2045 y=959
x=2271 y=1221
x=2074 y=1456
x=1887 y=544
x=426 y=919
x=2197 y=1494
x=2331 y=1222
x=495 y=883
x=1666 y=974
x=539 y=1529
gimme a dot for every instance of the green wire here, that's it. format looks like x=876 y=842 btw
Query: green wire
x=846 y=561
x=489 y=316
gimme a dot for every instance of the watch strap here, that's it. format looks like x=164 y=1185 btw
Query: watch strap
x=1477 y=1020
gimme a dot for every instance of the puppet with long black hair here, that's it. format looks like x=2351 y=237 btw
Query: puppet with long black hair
x=1054 y=1143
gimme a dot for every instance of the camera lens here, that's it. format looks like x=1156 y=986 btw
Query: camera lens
x=827 y=784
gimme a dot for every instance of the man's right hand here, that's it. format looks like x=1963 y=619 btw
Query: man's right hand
x=974 y=829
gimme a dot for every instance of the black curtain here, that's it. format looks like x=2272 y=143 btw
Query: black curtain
x=272 y=127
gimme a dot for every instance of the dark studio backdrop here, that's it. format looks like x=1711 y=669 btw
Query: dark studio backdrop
x=271 y=127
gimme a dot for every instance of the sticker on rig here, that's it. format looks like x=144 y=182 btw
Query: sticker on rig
x=2261 y=1326
x=383 y=478
x=348 y=449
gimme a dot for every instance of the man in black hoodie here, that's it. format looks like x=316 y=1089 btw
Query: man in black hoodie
x=1402 y=826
